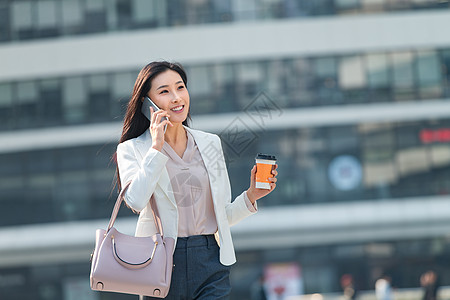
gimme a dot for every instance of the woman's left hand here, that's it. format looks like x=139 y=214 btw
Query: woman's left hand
x=254 y=193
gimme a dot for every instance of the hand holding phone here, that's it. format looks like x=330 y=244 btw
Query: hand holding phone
x=146 y=109
x=157 y=135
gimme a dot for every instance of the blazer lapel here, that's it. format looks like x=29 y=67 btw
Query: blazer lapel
x=212 y=157
x=144 y=142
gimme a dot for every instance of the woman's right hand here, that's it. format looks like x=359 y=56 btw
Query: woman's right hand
x=157 y=127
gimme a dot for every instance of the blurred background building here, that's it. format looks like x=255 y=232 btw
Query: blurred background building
x=359 y=92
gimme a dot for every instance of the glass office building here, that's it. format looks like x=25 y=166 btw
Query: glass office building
x=352 y=96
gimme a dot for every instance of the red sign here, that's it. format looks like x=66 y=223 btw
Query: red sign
x=428 y=136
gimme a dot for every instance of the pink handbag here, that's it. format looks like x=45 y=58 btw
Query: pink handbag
x=131 y=265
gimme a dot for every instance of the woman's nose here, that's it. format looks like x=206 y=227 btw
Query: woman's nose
x=176 y=97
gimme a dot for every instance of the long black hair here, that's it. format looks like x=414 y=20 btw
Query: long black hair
x=135 y=123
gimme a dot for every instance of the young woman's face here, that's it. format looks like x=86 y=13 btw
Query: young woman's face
x=169 y=93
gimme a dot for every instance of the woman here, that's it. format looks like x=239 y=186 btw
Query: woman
x=171 y=164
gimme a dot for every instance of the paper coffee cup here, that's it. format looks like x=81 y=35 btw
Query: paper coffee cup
x=264 y=166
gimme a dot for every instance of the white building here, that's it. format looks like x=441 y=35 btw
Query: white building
x=352 y=96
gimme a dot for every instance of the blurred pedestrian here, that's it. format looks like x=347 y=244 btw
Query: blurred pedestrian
x=430 y=285
x=383 y=288
x=348 y=287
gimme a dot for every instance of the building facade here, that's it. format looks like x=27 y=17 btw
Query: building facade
x=352 y=96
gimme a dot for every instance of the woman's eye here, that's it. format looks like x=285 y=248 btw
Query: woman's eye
x=163 y=91
x=181 y=87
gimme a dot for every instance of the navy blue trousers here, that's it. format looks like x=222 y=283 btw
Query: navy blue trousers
x=198 y=273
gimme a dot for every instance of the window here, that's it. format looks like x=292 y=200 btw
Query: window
x=122 y=87
x=342 y=139
x=323 y=7
x=372 y=5
x=122 y=84
x=377 y=70
x=6 y=95
x=403 y=75
x=347 y=6
x=446 y=70
x=352 y=79
x=429 y=4
x=300 y=82
x=99 y=98
x=22 y=19
x=72 y=16
x=351 y=73
x=244 y=10
x=98 y=83
x=271 y=9
x=413 y=161
x=27 y=97
x=74 y=100
x=12 y=164
x=275 y=81
x=222 y=10
x=326 y=81
x=378 y=157
x=46 y=22
x=397 y=4
x=378 y=77
x=311 y=156
x=6 y=101
x=175 y=12
x=198 y=12
x=224 y=77
x=50 y=104
x=249 y=82
x=201 y=87
x=124 y=11
x=73 y=196
x=42 y=161
x=12 y=198
x=149 y=13
x=5 y=22
x=201 y=83
x=294 y=9
x=429 y=75
x=95 y=16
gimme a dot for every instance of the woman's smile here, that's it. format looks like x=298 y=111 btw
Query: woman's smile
x=178 y=109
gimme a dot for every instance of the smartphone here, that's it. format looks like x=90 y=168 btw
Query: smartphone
x=146 y=109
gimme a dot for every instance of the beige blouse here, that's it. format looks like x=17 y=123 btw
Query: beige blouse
x=192 y=192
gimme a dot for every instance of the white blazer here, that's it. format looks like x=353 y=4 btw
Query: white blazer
x=145 y=168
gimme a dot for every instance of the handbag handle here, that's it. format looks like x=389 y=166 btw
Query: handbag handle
x=116 y=208
x=130 y=265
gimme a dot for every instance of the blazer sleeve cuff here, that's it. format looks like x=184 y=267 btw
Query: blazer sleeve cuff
x=253 y=208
